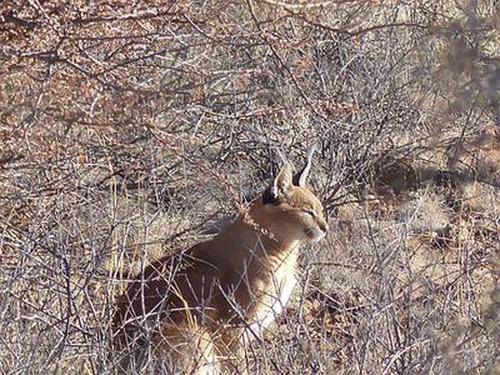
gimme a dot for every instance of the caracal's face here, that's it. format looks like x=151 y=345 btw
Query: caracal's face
x=299 y=215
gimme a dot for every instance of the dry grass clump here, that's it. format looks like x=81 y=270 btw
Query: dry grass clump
x=130 y=130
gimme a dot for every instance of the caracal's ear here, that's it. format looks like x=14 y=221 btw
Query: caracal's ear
x=281 y=185
x=300 y=179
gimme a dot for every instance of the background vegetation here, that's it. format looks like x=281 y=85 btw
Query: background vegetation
x=130 y=128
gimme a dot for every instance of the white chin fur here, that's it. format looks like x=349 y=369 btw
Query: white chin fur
x=318 y=238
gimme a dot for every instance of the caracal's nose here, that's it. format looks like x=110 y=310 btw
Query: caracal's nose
x=323 y=226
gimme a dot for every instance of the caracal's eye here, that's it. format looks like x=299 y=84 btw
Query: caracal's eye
x=310 y=213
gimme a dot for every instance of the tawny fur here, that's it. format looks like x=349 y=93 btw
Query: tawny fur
x=202 y=305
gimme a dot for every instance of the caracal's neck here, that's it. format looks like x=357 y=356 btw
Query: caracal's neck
x=253 y=230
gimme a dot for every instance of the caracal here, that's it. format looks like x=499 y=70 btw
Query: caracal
x=201 y=306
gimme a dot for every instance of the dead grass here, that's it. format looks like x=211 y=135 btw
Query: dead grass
x=131 y=131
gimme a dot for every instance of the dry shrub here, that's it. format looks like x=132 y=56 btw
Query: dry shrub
x=129 y=130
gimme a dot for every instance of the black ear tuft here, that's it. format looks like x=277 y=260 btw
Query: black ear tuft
x=269 y=197
x=300 y=179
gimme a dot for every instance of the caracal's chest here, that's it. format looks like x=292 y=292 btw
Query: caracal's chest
x=275 y=293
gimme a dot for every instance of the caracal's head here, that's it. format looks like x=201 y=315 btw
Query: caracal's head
x=290 y=210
